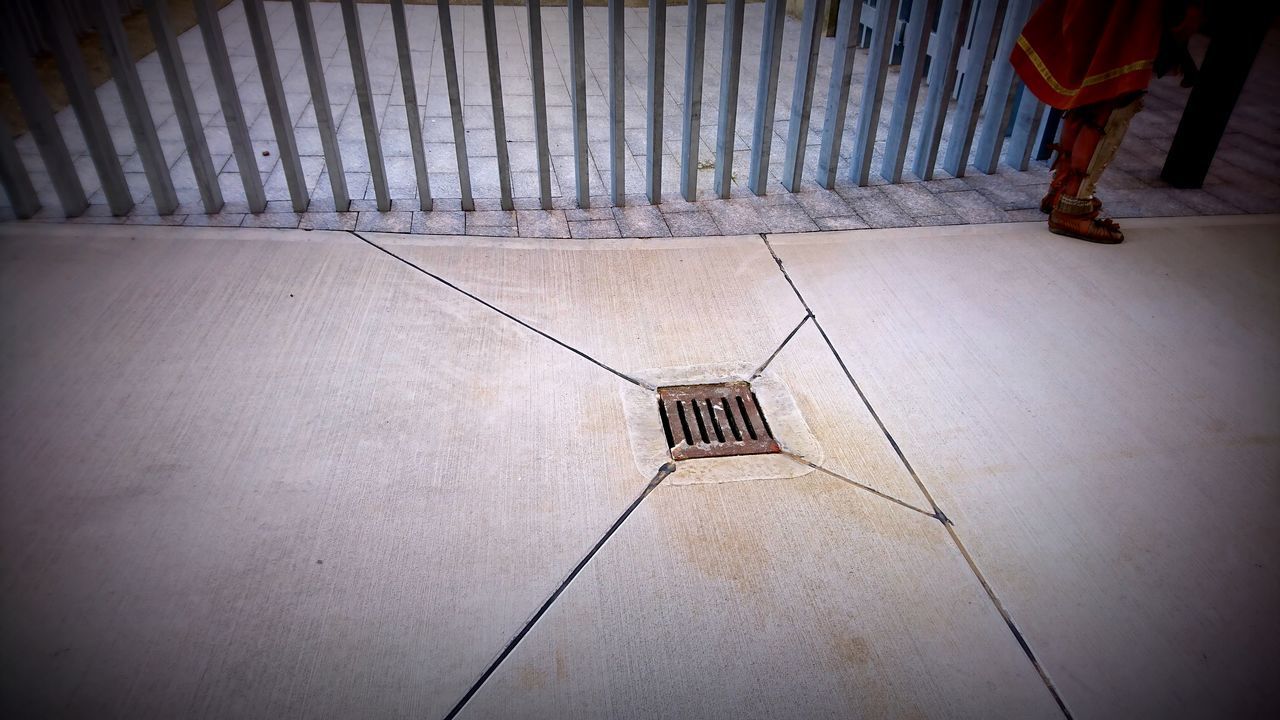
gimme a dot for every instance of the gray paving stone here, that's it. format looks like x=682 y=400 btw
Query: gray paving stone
x=542 y=223
x=945 y=185
x=1206 y=203
x=272 y=220
x=1002 y=193
x=395 y=221
x=600 y=210
x=439 y=222
x=221 y=219
x=174 y=219
x=875 y=206
x=607 y=228
x=492 y=231
x=641 y=221
x=786 y=218
x=841 y=222
x=974 y=208
x=820 y=202
x=491 y=218
x=691 y=224
x=932 y=220
x=737 y=216
x=916 y=200
x=1026 y=215
x=328 y=220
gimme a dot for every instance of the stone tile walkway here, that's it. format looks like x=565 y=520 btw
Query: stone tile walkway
x=1243 y=178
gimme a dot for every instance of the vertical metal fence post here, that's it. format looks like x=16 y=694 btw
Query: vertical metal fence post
x=455 y=103
x=277 y=105
x=541 y=143
x=838 y=91
x=1026 y=129
x=730 y=59
x=904 y=99
x=40 y=120
x=184 y=105
x=873 y=90
x=654 y=144
x=364 y=98
x=578 y=92
x=106 y=16
x=400 y=25
x=495 y=96
x=775 y=12
x=952 y=27
x=1000 y=89
x=974 y=86
x=692 y=125
x=320 y=104
x=13 y=174
x=85 y=104
x=617 y=104
x=802 y=94
x=215 y=46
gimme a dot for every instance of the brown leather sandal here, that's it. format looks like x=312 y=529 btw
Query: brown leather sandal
x=1077 y=218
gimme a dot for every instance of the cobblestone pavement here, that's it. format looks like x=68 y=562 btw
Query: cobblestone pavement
x=1243 y=178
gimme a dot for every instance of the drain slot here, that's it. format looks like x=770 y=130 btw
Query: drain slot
x=715 y=420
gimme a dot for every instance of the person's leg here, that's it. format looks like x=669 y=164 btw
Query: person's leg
x=1072 y=121
x=1101 y=128
x=1114 y=132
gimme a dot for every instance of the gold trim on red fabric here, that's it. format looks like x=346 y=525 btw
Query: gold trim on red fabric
x=1034 y=57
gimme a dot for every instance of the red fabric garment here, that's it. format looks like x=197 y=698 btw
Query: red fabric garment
x=1079 y=52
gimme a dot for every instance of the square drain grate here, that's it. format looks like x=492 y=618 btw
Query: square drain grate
x=719 y=420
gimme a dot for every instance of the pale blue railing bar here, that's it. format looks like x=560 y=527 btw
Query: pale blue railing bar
x=184 y=105
x=653 y=140
x=766 y=93
x=838 y=93
x=75 y=77
x=277 y=104
x=1001 y=87
x=224 y=79
x=978 y=63
x=873 y=91
x=404 y=55
x=802 y=94
x=915 y=46
x=136 y=109
x=726 y=130
x=695 y=41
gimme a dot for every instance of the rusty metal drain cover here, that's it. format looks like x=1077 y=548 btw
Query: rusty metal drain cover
x=719 y=420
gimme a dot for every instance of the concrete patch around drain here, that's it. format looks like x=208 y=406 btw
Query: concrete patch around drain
x=649 y=443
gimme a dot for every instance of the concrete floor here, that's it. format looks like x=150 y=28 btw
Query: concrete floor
x=278 y=473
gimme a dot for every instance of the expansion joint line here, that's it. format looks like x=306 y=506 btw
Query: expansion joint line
x=787 y=339
x=937 y=511
x=661 y=475
x=863 y=486
x=502 y=312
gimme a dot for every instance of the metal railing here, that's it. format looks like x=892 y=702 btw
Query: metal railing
x=988 y=90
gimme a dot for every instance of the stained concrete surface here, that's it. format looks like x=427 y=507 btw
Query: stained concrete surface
x=265 y=473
